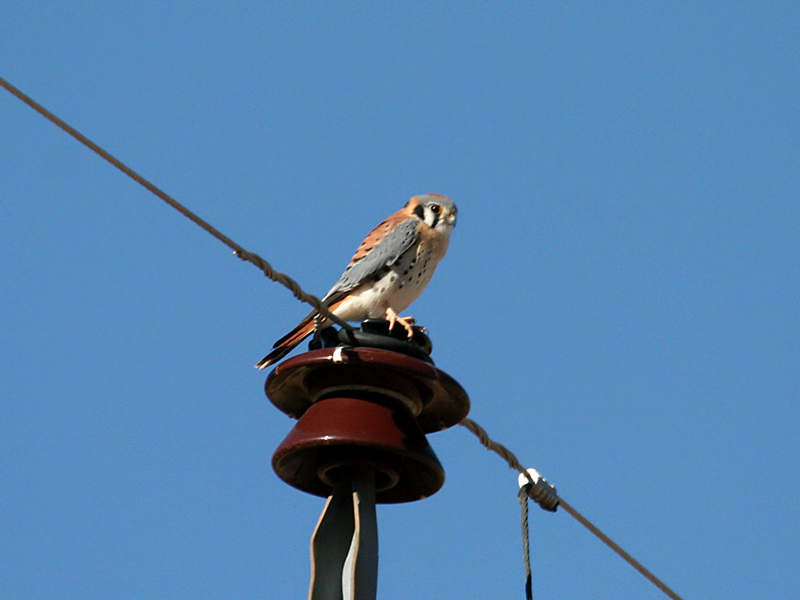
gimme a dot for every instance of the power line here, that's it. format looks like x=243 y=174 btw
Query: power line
x=546 y=497
x=523 y=497
x=615 y=547
x=240 y=252
x=538 y=489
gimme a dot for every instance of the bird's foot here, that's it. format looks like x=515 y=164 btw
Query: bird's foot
x=406 y=322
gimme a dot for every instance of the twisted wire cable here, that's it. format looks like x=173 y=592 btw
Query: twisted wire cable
x=513 y=463
x=522 y=496
x=238 y=251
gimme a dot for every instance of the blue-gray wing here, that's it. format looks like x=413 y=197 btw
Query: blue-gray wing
x=386 y=253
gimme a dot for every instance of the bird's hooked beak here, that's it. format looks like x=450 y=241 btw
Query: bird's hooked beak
x=450 y=219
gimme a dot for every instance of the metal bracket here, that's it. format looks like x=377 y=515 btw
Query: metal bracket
x=344 y=546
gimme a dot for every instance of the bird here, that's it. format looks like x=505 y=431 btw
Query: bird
x=389 y=270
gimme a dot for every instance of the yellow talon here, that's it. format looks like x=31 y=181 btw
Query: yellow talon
x=406 y=322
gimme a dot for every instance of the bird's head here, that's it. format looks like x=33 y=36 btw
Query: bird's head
x=436 y=211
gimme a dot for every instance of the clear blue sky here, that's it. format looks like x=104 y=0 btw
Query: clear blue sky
x=620 y=298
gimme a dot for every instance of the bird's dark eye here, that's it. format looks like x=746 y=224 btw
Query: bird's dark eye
x=436 y=209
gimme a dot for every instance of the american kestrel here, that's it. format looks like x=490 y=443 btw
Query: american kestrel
x=387 y=273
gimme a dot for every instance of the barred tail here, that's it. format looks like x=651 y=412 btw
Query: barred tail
x=288 y=342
